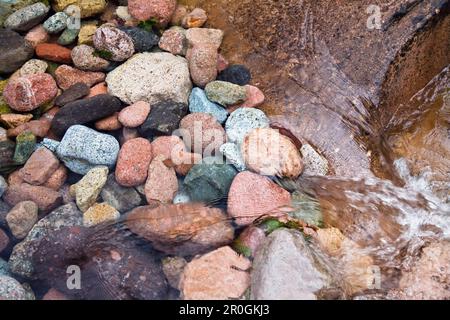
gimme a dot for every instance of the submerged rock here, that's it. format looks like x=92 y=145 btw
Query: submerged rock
x=218 y=275
x=286 y=269
x=182 y=229
x=122 y=198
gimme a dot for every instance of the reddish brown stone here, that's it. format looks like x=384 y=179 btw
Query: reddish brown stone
x=133 y=162
x=162 y=182
x=39 y=167
x=66 y=76
x=206 y=134
x=252 y=196
x=53 y=52
x=202 y=64
x=177 y=17
x=37 y=127
x=46 y=198
x=29 y=92
x=15 y=178
x=110 y=123
x=255 y=98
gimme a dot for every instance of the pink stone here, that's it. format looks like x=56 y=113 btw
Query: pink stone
x=252 y=196
x=37 y=35
x=133 y=162
x=57 y=179
x=162 y=182
x=134 y=115
x=39 y=167
x=219 y=275
x=4 y=240
x=110 y=123
x=161 y=10
x=195 y=19
x=98 y=89
x=30 y=92
x=202 y=64
x=66 y=76
x=206 y=134
x=266 y=151
x=222 y=63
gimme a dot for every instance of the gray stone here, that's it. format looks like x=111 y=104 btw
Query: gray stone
x=50 y=144
x=20 y=261
x=14 y=51
x=123 y=199
x=11 y=289
x=68 y=36
x=315 y=164
x=233 y=154
x=83 y=148
x=243 y=121
x=198 y=102
x=26 y=18
x=151 y=77
x=56 y=23
x=3 y=186
x=7 y=7
x=285 y=268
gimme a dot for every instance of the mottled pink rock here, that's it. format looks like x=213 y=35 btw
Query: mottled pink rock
x=202 y=64
x=30 y=92
x=205 y=133
x=98 y=89
x=37 y=35
x=255 y=98
x=4 y=240
x=162 y=182
x=174 y=41
x=133 y=162
x=39 y=128
x=267 y=152
x=46 y=198
x=110 y=123
x=57 y=179
x=39 y=167
x=134 y=115
x=195 y=19
x=67 y=76
x=15 y=178
x=143 y=10
x=252 y=196
x=218 y=275
x=222 y=63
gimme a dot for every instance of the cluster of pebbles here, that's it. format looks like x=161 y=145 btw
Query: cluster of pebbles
x=131 y=118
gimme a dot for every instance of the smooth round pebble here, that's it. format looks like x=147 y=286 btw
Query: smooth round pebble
x=26 y=18
x=56 y=23
x=115 y=43
x=198 y=102
x=135 y=115
x=225 y=93
x=133 y=162
x=84 y=58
